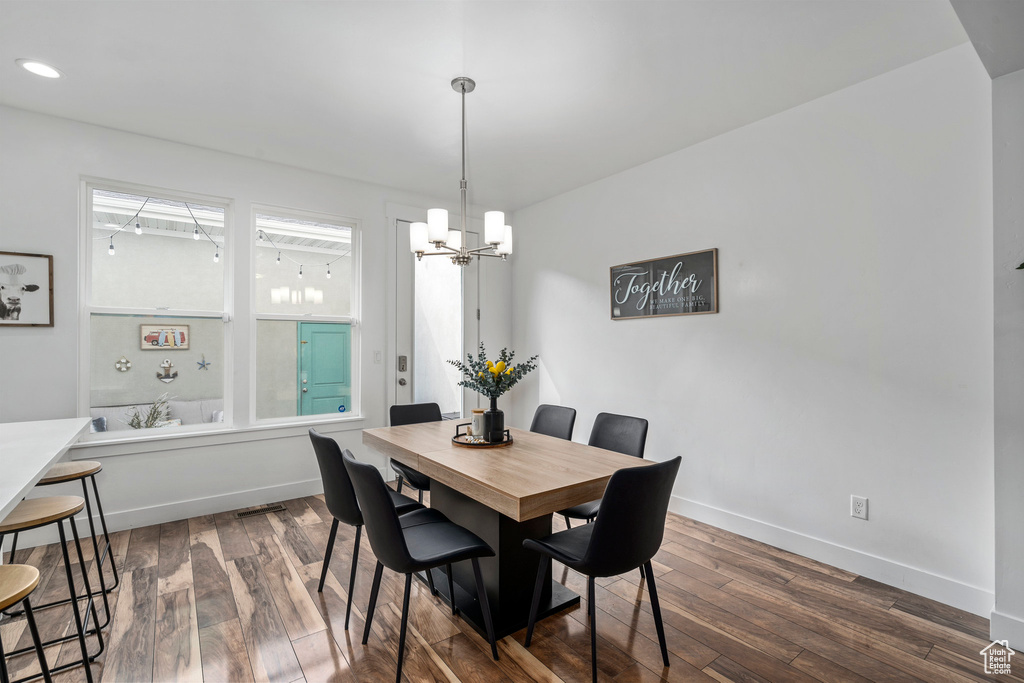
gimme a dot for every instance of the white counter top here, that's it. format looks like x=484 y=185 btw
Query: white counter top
x=28 y=450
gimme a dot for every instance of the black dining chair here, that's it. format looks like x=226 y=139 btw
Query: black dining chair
x=626 y=534
x=619 y=433
x=341 y=502
x=407 y=546
x=409 y=414
x=556 y=421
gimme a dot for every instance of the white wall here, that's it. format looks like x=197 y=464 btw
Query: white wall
x=42 y=164
x=1008 y=145
x=853 y=350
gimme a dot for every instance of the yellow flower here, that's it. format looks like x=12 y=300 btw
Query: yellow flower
x=500 y=366
x=508 y=372
x=479 y=374
x=490 y=365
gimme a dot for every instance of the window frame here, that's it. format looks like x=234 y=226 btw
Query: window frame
x=239 y=261
x=86 y=309
x=353 y=319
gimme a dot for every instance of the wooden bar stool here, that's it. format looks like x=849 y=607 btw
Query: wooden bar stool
x=81 y=470
x=33 y=513
x=17 y=581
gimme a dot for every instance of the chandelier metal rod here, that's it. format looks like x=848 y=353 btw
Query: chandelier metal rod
x=463 y=186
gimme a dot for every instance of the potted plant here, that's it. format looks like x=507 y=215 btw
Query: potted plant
x=492 y=380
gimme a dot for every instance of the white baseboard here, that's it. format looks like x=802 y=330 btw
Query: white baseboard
x=1006 y=627
x=158 y=514
x=949 y=591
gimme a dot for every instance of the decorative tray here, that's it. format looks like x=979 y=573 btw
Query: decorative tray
x=467 y=441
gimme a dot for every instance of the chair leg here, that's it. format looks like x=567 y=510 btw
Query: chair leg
x=485 y=607
x=535 y=604
x=421 y=496
x=327 y=558
x=430 y=582
x=106 y=535
x=352 y=575
x=451 y=588
x=593 y=627
x=96 y=556
x=74 y=603
x=405 y=623
x=373 y=601
x=568 y=524
x=656 y=608
x=400 y=482
x=4 y=678
x=88 y=589
x=30 y=618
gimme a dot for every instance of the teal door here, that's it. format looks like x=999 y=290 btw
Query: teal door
x=325 y=378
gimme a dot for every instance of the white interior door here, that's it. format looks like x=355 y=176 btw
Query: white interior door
x=437 y=321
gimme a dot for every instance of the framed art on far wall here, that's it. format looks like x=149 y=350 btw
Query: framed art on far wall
x=684 y=284
x=26 y=290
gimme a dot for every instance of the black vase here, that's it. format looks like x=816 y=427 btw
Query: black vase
x=494 y=423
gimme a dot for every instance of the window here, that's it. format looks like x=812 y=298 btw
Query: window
x=155 y=305
x=304 y=310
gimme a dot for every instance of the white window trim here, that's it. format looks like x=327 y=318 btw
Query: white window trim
x=237 y=427
x=85 y=310
x=356 y=289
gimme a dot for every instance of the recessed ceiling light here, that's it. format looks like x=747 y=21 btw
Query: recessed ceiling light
x=39 y=68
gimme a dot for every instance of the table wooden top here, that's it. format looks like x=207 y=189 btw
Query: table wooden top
x=29 y=449
x=535 y=476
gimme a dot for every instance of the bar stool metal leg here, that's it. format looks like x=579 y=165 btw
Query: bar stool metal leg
x=74 y=603
x=32 y=629
x=106 y=536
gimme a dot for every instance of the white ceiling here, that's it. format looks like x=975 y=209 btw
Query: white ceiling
x=567 y=92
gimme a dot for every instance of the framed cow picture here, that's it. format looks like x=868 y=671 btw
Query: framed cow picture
x=26 y=290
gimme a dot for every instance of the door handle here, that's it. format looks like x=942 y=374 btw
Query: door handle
x=401 y=382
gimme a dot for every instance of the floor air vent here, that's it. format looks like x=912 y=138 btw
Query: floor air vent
x=266 y=509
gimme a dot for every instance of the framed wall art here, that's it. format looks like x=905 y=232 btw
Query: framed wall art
x=26 y=290
x=684 y=284
x=160 y=338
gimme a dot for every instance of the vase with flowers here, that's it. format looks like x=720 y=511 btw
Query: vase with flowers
x=492 y=379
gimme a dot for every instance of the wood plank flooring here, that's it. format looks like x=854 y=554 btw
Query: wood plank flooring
x=215 y=598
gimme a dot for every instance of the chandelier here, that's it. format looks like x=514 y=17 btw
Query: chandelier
x=452 y=243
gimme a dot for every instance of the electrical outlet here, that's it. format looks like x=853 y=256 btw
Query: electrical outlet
x=859 y=507
x=377 y=357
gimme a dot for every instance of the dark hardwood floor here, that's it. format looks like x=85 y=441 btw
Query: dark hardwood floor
x=218 y=598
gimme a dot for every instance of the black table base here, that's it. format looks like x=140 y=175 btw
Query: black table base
x=509 y=576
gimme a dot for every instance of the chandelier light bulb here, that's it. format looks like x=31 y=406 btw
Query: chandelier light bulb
x=110 y=250
x=494 y=227
x=259 y=235
x=138 y=228
x=505 y=248
x=418 y=237
x=328 y=271
x=300 y=272
x=216 y=257
x=195 y=233
x=454 y=239
x=437 y=225
x=278 y=258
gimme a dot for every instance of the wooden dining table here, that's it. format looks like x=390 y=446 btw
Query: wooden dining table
x=504 y=495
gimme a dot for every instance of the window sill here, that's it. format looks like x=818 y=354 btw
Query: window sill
x=155 y=443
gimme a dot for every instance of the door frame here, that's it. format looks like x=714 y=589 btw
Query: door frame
x=396 y=248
